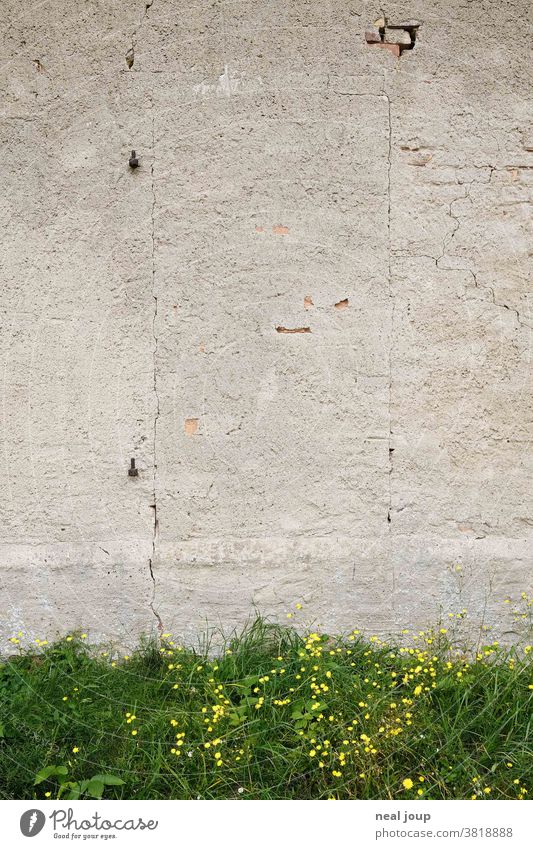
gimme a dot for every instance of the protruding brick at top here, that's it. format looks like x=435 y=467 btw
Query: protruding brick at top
x=392 y=37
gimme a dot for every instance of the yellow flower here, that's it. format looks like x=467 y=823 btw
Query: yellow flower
x=298 y=606
x=76 y=750
x=486 y=790
x=418 y=690
x=312 y=753
x=133 y=733
x=407 y=783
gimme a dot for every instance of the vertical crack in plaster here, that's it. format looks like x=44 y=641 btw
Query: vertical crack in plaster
x=392 y=303
x=155 y=527
x=148 y=5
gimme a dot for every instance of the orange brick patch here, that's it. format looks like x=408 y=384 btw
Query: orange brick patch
x=191 y=426
x=392 y=48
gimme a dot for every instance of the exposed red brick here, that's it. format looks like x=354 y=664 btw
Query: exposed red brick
x=342 y=305
x=191 y=426
x=293 y=329
x=308 y=302
x=280 y=229
x=392 y=48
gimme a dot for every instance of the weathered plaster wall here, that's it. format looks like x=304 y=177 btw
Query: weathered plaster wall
x=291 y=177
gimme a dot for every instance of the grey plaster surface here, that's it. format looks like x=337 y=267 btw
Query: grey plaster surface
x=307 y=315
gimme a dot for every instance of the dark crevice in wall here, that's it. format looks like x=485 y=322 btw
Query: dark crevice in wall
x=281 y=329
x=390 y=456
x=391 y=297
x=154 y=611
x=155 y=528
x=130 y=55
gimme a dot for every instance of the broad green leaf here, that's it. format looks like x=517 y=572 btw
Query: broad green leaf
x=49 y=772
x=74 y=793
x=95 y=789
x=108 y=779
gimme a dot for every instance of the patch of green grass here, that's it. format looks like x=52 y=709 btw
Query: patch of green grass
x=273 y=714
